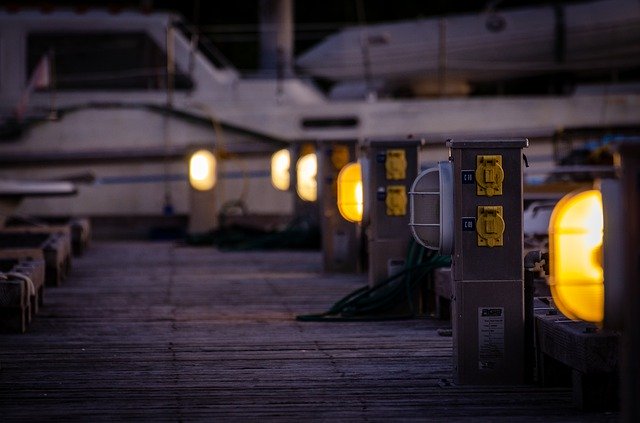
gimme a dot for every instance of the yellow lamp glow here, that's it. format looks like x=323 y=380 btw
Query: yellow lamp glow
x=575 y=256
x=202 y=170
x=306 y=171
x=280 y=164
x=350 y=197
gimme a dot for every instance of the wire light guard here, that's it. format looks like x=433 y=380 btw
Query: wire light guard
x=280 y=164
x=350 y=192
x=306 y=172
x=202 y=170
x=431 y=208
x=575 y=253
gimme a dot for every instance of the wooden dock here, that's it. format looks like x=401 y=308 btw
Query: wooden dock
x=164 y=332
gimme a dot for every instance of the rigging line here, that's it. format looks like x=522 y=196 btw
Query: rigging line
x=222 y=153
x=364 y=46
x=170 y=75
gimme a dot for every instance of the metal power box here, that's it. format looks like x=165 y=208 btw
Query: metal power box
x=391 y=166
x=487 y=266
x=340 y=238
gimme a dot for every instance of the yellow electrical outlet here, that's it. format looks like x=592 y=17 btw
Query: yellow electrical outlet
x=489 y=175
x=396 y=200
x=306 y=149
x=490 y=226
x=340 y=156
x=396 y=164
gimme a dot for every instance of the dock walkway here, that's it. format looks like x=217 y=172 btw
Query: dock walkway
x=164 y=332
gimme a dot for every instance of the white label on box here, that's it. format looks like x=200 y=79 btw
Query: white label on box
x=490 y=337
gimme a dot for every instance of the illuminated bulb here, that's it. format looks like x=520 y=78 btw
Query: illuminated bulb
x=306 y=171
x=202 y=170
x=280 y=164
x=350 y=196
x=575 y=253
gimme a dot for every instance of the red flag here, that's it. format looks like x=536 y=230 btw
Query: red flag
x=40 y=78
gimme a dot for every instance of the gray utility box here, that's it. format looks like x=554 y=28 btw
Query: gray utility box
x=487 y=267
x=390 y=168
x=340 y=238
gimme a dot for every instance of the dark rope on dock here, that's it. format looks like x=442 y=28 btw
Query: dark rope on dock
x=374 y=303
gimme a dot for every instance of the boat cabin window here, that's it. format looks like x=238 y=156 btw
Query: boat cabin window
x=103 y=61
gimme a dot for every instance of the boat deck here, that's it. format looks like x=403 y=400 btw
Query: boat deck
x=161 y=331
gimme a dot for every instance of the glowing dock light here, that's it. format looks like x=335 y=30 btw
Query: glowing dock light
x=280 y=164
x=306 y=171
x=202 y=170
x=350 y=197
x=575 y=255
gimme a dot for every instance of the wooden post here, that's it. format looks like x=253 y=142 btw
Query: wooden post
x=630 y=346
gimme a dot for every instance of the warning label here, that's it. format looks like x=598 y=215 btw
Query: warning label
x=490 y=337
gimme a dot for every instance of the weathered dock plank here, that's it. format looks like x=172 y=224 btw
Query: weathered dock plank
x=156 y=331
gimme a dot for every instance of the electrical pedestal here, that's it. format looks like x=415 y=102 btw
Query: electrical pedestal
x=391 y=166
x=487 y=271
x=340 y=238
